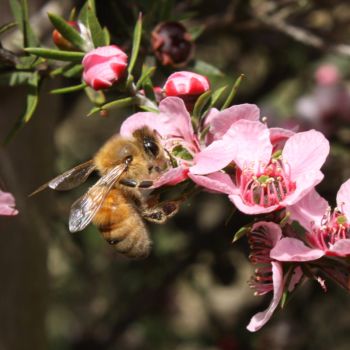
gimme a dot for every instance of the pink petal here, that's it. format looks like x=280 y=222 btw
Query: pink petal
x=305 y=152
x=343 y=199
x=309 y=210
x=213 y=158
x=7 y=204
x=304 y=184
x=295 y=279
x=223 y=120
x=175 y=116
x=141 y=119
x=292 y=249
x=271 y=230
x=249 y=209
x=251 y=140
x=172 y=177
x=278 y=137
x=261 y=318
x=341 y=247
x=218 y=182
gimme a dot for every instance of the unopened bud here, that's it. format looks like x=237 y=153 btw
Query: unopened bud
x=172 y=44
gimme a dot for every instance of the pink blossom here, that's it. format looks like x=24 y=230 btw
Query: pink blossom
x=268 y=276
x=104 y=66
x=186 y=83
x=195 y=158
x=328 y=233
x=267 y=181
x=327 y=74
x=7 y=204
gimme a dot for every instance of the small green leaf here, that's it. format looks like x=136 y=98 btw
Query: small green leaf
x=146 y=74
x=148 y=109
x=97 y=33
x=217 y=95
x=107 y=36
x=7 y=26
x=97 y=97
x=136 y=43
x=200 y=104
x=240 y=233
x=68 y=89
x=149 y=92
x=120 y=103
x=233 y=92
x=67 y=31
x=74 y=71
x=31 y=104
x=56 y=54
x=196 y=32
x=15 y=78
x=20 y=13
x=206 y=69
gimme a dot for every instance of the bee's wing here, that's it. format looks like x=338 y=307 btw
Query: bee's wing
x=85 y=208
x=69 y=179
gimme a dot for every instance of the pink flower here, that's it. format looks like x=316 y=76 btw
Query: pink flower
x=104 y=66
x=195 y=159
x=328 y=233
x=267 y=181
x=7 y=204
x=268 y=276
x=186 y=85
x=327 y=74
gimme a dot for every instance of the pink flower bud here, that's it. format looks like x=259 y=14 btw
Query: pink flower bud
x=186 y=85
x=104 y=66
x=327 y=74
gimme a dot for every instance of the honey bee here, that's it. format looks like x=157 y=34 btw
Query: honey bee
x=120 y=199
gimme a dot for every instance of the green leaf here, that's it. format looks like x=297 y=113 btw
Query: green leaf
x=68 y=89
x=107 y=36
x=148 y=109
x=31 y=105
x=240 y=233
x=233 y=92
x=97 y=33
x=97 y=97
x=67 y=31
x=200 y=104
x=7 y=26
x=136 y=43
x=20 y=13
x=120 y=103
x=15 y=78
x=56 y=54
x=73 y=72
x=216 y=95
x=206 y=69
x=196 y=32
x=147 y=72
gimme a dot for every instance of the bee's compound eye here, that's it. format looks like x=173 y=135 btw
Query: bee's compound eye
x=151 y=147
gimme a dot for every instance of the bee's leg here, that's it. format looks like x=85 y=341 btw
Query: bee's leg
x=161 y=212
x=135 y=183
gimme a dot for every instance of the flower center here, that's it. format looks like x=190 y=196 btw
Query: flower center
x=334 y=226
x=268 y=186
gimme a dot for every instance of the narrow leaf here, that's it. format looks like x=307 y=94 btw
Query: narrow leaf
x=97 y=33
x=15 y=78
x=216 y=95
x=206 y=69
x=7 y=26
x=68 y=89
x=67 y=31
x=233 y=92
x=146 y=74
x=240 y=233
x=200 y=104
x=123 y=102
x=56 y=54
x=136 y=43
x=31 y=105
x=97 y=97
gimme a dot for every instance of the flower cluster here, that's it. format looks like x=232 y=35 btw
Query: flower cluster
x=262 y=170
